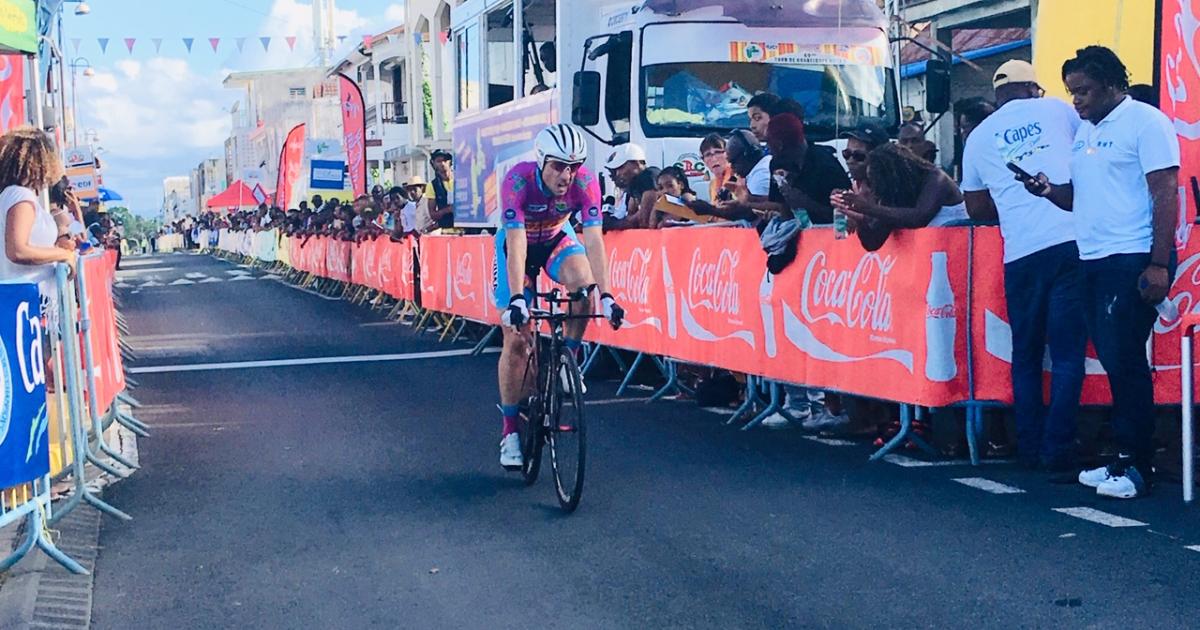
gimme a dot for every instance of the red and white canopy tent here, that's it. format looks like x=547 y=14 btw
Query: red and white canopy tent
x=239 y=195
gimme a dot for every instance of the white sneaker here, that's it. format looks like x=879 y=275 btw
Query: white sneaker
x=1094 y=477
x=776 y=422
x=510 y=452
x=824 y=421
x=565 y=379
x=1118 y=488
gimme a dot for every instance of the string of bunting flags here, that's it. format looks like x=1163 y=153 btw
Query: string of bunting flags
x=239 y=42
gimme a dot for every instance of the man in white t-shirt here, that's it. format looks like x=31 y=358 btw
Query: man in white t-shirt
x=1124 y=193
x=1042 y=281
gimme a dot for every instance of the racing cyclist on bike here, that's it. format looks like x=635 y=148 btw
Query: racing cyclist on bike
x=537 y=200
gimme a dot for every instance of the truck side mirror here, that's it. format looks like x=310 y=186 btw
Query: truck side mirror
x=585 y=106
x=937 y=85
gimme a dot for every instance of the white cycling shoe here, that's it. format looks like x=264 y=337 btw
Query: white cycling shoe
x=510 y=452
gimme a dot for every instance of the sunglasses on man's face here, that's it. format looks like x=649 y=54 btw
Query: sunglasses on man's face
x=854 y=156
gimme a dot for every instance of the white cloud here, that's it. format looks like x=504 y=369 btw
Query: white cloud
x=395 y=14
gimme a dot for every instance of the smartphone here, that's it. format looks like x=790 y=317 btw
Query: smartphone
x=724 y=194
x=1020 y=172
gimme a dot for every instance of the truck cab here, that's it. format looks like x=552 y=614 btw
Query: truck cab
x=666 y=73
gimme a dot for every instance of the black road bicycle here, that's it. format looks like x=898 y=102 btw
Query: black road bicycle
x=554 y=416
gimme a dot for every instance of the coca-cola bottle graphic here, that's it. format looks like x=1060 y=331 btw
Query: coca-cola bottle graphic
x=940 y=324
x=765 y=289
x=669 y=288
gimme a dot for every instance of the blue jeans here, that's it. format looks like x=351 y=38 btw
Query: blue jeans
x=1045 y=304
x=1119 y=322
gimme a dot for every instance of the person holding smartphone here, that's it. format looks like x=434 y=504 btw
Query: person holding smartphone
x=1042 y=281
x=1123 y=191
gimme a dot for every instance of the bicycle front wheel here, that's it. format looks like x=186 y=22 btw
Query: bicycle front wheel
x=567 y=430
x=532 y=426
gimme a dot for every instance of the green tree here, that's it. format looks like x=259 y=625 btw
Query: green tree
x=136 y=227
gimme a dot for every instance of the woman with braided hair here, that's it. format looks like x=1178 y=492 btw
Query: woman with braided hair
x=901 y=190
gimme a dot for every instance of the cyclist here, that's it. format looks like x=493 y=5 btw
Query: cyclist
x=537 y=201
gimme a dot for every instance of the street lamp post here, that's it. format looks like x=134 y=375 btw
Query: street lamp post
x=77 y=63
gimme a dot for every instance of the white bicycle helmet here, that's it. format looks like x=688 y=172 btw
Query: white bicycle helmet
x=562 y=143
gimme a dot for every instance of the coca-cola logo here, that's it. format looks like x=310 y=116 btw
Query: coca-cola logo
x=463 y=278
x=1183 y=294
x=406 y=263
x=713 y=284
x=629 y=278
x=852 y=298
x=940 y=312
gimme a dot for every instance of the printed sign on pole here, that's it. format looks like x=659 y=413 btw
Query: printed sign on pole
x=327 y=175
x=24 y=420
x=260 y=195
x=79 y=156
x=84 y=182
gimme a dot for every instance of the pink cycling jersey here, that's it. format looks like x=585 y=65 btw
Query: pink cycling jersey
x=526 y=204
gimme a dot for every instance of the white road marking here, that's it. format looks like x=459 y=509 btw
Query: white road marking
x=141 y=262
x=909 y=462
x=613 y=401
x=211 y=280
x=720 y=411
x=151 y=283
x=828 y=441
x=236 y=278
x=1103 y=518
x=236 y=272
x=310 y=292
x=987 y=485
x=246 y=365
x=1192 y=547
x=195 y=276
x=123 y=285
x=182 y=281
x=125 y=273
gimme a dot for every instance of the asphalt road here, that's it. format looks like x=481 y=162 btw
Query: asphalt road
x=367 y=495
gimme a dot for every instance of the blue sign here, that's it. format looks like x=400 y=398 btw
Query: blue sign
x=24 y=418
x=328 y=175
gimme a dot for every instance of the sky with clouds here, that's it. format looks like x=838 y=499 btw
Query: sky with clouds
x=159 y=113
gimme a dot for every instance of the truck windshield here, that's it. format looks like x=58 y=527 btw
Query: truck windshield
x=696 y=98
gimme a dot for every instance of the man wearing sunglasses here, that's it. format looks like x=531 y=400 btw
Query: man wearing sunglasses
x=537 y=201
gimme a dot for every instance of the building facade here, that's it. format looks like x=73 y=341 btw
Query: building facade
x=208 y=179
x=177 y=198
x=272 y=103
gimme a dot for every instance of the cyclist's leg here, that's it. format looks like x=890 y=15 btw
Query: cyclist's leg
x=568 y=265
x=515 y=353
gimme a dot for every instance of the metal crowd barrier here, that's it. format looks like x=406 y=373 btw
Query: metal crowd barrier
x=75 y=425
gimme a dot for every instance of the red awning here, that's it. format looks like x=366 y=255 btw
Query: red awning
x=238 y=195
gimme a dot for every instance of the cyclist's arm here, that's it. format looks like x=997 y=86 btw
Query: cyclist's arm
x=516 y=243
x=516 y=239
x=593 y=244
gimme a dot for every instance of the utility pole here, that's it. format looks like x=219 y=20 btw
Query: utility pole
x=323 y=35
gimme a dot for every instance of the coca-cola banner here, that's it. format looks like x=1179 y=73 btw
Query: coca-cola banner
x=99 y=274
x=897 y=324
x=888 y=324
x=1180 y=99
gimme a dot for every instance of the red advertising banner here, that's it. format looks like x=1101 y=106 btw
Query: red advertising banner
x=354 y=132
x=337 y=259
x=99 y=272
x=12 y=92
x=470 y=290
x=290 y=159
x=1180 y=100
x=903 y=323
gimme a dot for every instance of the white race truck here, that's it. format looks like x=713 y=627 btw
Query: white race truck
x=660 y=73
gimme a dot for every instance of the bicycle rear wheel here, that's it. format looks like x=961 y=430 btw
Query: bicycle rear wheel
x=532 y=423
x=566 y=429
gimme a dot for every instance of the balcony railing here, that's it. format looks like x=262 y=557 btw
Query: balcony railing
x=394 y=114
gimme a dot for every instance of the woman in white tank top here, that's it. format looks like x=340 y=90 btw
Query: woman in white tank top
x=29 y=165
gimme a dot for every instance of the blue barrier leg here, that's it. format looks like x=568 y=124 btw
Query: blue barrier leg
x=32 y=532
x=129 y=400
x=621 y=365
x=774 y=405
x=47 y=546
x=593 y=353
x=748 y=405
x=487 y=339
x=905 y=426
x=672 y=384
x=97 y=503
x=629 y=374
x=974 y=426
